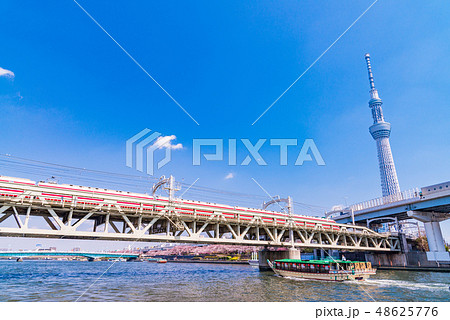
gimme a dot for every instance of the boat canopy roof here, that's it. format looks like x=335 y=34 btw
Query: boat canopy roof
x=315 y=261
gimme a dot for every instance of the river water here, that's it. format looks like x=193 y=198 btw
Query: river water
x=46 y=280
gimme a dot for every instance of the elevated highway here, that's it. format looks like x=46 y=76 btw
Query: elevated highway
x=398 y=206
x=77 y=212
x=430 y=205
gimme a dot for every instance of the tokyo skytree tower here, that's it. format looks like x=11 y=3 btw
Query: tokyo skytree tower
x=380 y=131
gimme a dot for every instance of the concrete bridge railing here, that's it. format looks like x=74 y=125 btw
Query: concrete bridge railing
x=377 y=202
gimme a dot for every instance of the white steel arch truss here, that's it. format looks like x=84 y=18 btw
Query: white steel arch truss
x=99 y=214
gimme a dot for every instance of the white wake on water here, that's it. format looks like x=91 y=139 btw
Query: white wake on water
x=389 y=283
x=406 y=284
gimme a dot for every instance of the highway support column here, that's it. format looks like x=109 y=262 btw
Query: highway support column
x=434 y=234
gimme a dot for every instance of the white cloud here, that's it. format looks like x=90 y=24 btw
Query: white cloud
x=166 y=142
x=229 y=176
x=6 y=73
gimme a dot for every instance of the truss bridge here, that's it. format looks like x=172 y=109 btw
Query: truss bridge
x=63 y=211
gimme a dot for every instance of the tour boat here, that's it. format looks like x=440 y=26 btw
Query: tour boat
x=329 y=270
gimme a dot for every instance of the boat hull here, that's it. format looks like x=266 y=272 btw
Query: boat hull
x=253 y=263
x=324 y=276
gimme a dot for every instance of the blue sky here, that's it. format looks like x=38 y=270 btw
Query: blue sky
x=76 y=97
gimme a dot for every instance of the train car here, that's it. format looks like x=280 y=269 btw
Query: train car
x=445 y=186
x=66 y=193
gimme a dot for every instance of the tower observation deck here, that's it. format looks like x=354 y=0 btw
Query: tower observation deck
x=380 y=131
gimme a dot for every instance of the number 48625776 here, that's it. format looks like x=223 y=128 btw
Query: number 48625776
x=407 y=312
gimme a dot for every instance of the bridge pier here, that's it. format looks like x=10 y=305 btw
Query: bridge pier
x=265 y=254
x=434 y=234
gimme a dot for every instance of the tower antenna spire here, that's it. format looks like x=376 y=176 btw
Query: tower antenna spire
x=369 y=70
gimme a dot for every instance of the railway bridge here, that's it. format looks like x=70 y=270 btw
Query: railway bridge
x=63 y=211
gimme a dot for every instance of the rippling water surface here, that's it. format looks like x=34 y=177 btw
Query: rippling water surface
x=143 y=281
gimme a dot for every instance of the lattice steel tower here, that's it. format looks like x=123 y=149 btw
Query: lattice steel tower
x=380 y=131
